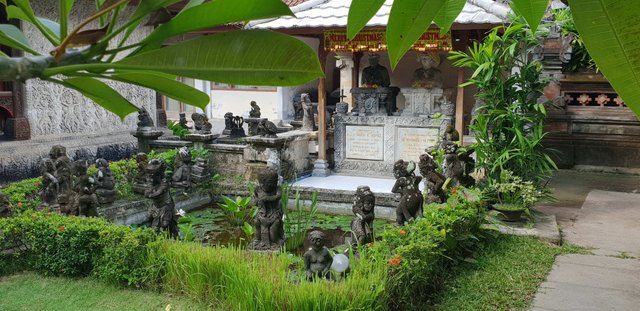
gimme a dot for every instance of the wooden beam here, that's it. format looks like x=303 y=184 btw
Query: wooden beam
x=322 y=104
x=460 y=105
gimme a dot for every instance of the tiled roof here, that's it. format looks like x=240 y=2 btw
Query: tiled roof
x=294 y=2
x=333 y=13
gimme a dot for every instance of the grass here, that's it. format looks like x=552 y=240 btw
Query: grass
x=506 y=275
x=31 y=292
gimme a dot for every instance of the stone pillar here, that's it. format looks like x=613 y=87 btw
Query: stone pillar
x=346 y=65
x=145 y=135
x=18 y=128
x=321 y=166
x=161 y=113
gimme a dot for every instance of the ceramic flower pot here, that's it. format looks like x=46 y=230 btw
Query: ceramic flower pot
x=511 y=212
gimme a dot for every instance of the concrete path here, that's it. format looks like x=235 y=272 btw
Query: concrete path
x=609 y=222
x=350 y=183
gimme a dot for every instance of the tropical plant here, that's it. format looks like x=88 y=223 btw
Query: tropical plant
x=238 y=210
x=199 y=153
x=177 y=129
x=297 y=221
x=509 y=126
x=511 y=190
x=81 y=58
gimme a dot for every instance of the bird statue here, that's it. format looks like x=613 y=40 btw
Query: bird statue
x=266 y=128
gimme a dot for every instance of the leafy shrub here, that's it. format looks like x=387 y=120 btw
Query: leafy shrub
x=24 y=194
x=298 y=220
x=177 y=129
x=418 y=254
x=77 y=246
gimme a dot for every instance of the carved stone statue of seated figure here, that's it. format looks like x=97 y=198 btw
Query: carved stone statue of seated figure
x=181 y=178
x=375 y=74
x=105 y=182
x=84 y=187
x=407 y=184
x=49 y=190
x=163 y=211
x=363 y=215
x=429 y=76
x=433 y=179
x=317 y=260
x=268 y=221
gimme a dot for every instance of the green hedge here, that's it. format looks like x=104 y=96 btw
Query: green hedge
x=75 y=246
x=420 y=253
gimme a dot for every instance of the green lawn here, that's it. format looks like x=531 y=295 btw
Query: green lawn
x=506 y=275
x=31 y=292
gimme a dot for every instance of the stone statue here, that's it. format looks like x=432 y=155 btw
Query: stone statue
x=308 y=121
x=62 y=163
x=407 y=184
x=183 y=121
x=268 y=221
x=105 y=183
x=86 y=202
x=181 y=178
x=298 y=112
x=363 y=215
x=201 y=123
x=237 y=127
x=255 y=110
x=267 y=129
x=144 y=119
x=469 y=164
x=163 y=211
x=375 y=74
x=228 y=123
x=429 y=76
x=140 y=180
x=452 y=167
x=317 y=260
x=5 y=210
x=433 y=179
x=50 y=187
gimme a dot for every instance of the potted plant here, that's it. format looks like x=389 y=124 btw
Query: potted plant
x=512 y=196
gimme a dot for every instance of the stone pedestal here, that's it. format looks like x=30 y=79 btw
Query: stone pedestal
x=145 y=135
x=375 y=101
x=420 y=101
x=321 y=169
x=253 y=125
x=200 y=171
x=369 y=145
x=263 y=152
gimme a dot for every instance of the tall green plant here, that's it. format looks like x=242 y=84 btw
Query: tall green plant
x=509 y=126
x=297 y=221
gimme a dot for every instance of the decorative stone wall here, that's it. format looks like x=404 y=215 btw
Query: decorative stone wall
x=370 y=145
x=54 y=110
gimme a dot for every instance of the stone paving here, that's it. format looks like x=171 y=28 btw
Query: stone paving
x=608 y=222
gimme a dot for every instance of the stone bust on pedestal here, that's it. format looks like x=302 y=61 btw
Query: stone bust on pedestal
x=429 y=76
x=375 y=74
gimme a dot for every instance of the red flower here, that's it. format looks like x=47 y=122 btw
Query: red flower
x=402 y=232
x=61 y=228
x=395 y=261
x=19 y=204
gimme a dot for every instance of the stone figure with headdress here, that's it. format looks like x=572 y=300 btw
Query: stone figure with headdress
x=375 y=74
x=408 y=186
x=363 y=215
x=163 y=213
x=428 y=76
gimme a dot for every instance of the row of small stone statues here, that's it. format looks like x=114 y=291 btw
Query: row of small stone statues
x=67 y=187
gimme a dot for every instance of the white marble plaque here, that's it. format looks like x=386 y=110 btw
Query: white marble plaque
x=412 y=141
x=365 y=142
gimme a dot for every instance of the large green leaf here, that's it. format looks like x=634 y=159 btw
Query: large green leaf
x=408 y=20
x=64 y=11
x=248 y=57
x=29 y=16
x=102 y=94
x=216 y=13
x=12 y=36
x=448 y=13
x=169 y=87
x=144 y=8
x=360 y=12
x=531 y=10
x=610 y=30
